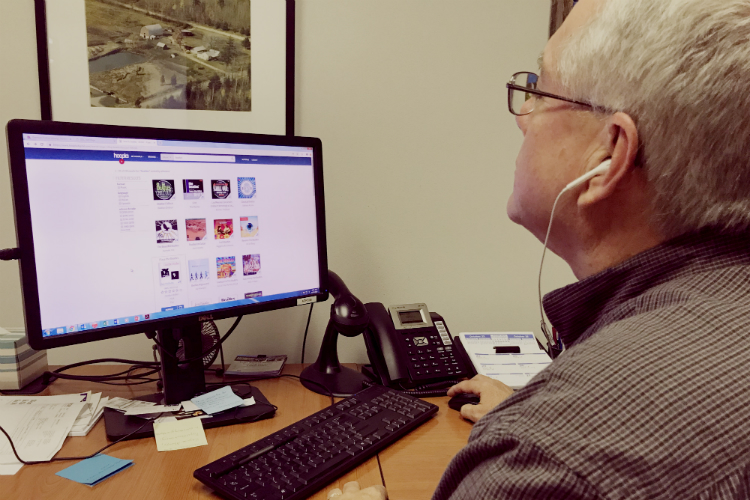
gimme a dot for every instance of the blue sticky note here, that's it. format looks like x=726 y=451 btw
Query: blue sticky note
x=218 y=400
x=94 y=470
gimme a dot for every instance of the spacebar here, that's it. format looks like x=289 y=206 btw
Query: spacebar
x=325 y=467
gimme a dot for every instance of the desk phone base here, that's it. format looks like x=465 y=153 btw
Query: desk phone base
x=302 y=458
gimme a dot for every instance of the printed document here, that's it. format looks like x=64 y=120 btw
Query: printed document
x=38 y=431
x=514 y=370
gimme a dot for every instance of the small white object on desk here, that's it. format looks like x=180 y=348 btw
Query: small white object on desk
x=19 y=363
x=514 y=370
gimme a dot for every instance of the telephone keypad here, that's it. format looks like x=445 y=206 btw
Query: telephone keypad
x=431 y=355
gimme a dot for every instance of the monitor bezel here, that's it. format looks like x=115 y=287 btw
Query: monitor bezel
x=24 y=230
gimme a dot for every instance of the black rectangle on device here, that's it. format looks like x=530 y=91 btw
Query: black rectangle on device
x=507 y=349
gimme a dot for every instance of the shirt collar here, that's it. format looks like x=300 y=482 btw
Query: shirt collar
x=574 y=309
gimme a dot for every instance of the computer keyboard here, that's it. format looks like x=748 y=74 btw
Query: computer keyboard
x=300 y=459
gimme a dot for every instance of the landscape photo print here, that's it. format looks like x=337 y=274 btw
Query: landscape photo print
x=170 y=54
x=219 y=65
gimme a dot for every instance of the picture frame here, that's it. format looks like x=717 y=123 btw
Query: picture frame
x=559 y=10
x=100 y=62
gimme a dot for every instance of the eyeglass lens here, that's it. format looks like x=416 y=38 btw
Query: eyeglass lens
x=518 y=97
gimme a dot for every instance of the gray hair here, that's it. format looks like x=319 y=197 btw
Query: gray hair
x=681 y=70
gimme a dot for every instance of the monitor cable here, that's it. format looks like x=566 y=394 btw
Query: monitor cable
x=50 y=376
x=152 y=335
x=304 y=338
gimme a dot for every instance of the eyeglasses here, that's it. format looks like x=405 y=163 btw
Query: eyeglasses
x=522 y=87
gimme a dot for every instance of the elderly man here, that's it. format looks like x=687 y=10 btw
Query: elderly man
x=651 y=396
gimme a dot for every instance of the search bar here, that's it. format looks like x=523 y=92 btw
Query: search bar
x=137 y=142
x=209 y=158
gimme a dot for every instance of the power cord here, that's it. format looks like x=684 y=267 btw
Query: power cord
x=152 y=336
x=59 y=459
x=304 y=338
x=109 y=379
x=436 y=389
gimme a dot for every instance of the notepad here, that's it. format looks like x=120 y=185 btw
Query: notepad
x=94 y=470
x=179 y=434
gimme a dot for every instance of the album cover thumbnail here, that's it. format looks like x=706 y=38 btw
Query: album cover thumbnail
x=163 y=189
x=198 y=270
x=166 y=231
x=169 y=271
x=192 y=189
x=220 y=189
x=246 y=187
x=196 y=229
x=225 y=267
x=249 y=226
x=250 y=264
x=223 y=228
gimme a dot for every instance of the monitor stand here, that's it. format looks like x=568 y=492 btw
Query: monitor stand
x=182 y=382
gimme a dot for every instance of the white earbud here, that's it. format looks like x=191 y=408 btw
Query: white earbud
x=599 y=170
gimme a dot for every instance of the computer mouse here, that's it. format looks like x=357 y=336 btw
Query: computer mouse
x=464 y=398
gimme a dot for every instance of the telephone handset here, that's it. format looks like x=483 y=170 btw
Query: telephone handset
x=410 y=347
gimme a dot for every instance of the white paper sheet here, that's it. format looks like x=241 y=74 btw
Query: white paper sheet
x=514 y=370
x=38 y=430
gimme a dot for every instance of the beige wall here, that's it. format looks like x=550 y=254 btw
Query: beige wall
x=408 y=97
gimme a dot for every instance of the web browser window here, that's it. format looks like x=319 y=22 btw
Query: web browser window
x=127 y=230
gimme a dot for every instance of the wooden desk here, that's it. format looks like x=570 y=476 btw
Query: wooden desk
x=411 y=467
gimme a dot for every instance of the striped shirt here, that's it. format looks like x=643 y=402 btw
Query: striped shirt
x=650 y=399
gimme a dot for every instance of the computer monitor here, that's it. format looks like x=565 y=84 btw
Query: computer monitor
x=124 y=230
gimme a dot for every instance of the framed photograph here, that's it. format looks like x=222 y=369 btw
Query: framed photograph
x=559 y=10
x=225 y=65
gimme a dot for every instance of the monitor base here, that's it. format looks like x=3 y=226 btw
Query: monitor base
x=341 y=383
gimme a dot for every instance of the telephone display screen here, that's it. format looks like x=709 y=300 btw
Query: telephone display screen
x=409 y=317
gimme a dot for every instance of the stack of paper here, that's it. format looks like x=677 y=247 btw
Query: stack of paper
x=38 y=430
x=90 y=414
x=39 y=425
x=514 y=370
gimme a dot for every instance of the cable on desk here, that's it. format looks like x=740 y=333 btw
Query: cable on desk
x=435 y=389
x=152 y=336
x=108 y=379
x=60 y=459
x=313 y=383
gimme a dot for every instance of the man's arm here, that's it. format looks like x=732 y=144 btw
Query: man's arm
x=510 y=468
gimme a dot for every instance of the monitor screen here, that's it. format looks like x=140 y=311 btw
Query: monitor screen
x=124 y=230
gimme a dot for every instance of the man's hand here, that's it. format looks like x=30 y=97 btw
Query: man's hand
x=352 y=492
x=490 y=391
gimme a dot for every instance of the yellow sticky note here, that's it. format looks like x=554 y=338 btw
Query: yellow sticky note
x=180 y=434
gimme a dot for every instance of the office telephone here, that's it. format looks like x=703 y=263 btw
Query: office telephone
x=410 y=347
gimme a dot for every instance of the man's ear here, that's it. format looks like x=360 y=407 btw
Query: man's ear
x=621 y=145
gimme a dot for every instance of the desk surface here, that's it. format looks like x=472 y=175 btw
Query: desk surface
x=170 y=474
